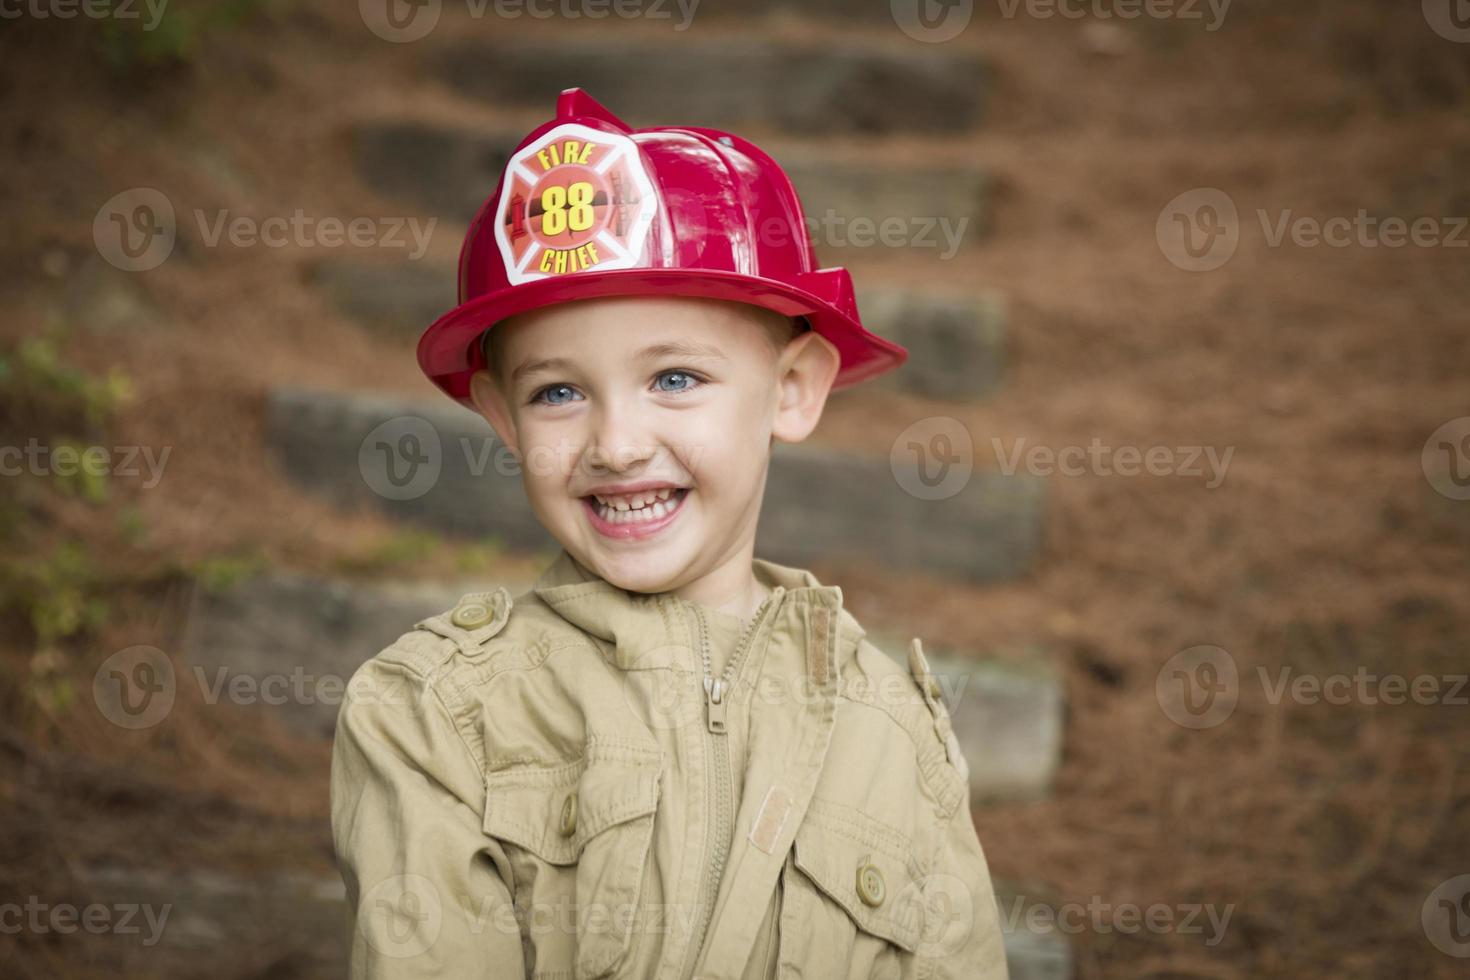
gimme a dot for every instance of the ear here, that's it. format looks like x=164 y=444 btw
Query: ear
x=490 y=402
x=804 y=375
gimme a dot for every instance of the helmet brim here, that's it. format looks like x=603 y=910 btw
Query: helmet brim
x=449 y=353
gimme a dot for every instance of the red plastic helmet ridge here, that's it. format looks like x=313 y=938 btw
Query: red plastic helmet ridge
x=589 y=207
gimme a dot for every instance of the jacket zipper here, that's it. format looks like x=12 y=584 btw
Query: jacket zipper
x=716 y=691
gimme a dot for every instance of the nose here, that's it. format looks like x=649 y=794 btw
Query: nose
x=620 y=440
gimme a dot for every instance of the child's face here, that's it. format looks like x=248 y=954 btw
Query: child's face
x=674 y=399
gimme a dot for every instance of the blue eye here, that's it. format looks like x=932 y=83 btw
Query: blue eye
x=690 y=380
x=544 y=396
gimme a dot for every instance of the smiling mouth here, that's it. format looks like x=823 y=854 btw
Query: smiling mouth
x=638 y=508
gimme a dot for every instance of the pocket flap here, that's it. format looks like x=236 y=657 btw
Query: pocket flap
x=833 y=850
x=528 y=806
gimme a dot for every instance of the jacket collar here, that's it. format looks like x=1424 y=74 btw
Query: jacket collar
x=609 y=612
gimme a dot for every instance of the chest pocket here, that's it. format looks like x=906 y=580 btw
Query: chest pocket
x=577 y=837
x=852 y=895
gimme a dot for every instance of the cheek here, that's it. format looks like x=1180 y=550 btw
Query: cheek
x=548 y=453
x=725 y=451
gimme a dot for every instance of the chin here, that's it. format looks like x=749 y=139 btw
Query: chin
x=653 y=570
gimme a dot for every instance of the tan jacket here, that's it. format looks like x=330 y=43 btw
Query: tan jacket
x=538 y=787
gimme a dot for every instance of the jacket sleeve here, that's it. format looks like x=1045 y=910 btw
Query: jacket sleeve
x=976 y=949
x=424 y=883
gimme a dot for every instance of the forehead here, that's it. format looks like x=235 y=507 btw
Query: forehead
x=634 y=327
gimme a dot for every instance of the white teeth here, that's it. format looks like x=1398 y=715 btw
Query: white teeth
x=648 y=506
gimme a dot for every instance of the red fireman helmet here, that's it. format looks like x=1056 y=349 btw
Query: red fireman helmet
x=590 y=207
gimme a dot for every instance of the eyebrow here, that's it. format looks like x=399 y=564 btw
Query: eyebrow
x=672 y=348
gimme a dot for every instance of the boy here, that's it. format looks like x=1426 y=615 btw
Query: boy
x=669 y=758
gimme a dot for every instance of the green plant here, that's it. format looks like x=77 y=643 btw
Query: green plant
x=34 y=376
x=221 y=572
x=172 y=38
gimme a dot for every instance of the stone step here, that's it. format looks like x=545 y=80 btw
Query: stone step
x=1007 y=716
x=441 y=466
x=395 y=299
x=294 y=924
x=296 y=640
x=956 y=343
x=811 y=88
x=1037 y=947
x=277 y=924
x=850 y=206
x=299 y=638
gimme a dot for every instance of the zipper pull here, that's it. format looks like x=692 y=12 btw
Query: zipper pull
x=714 y=699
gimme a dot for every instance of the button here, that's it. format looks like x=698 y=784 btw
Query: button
x=472 y=614
x=569 y=816
x=870 y=885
